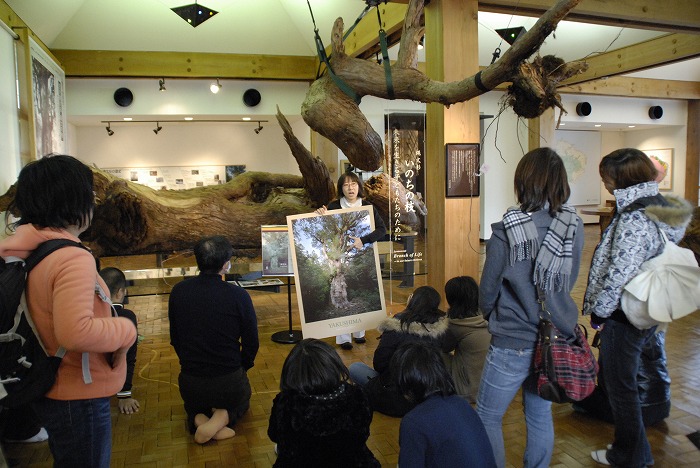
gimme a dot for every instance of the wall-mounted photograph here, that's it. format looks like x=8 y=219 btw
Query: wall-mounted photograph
x=462 y=165
x=338 y=286
x=663 y=160
x=49 y=102
x=276 y=257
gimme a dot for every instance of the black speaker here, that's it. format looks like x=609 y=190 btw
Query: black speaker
x=251 y=97
x=583 y=109
x=123 y=97
x=656 y=112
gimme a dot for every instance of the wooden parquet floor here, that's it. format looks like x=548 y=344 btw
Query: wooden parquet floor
x=156 y=436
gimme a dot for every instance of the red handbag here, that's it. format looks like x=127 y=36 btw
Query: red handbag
x=566 y=369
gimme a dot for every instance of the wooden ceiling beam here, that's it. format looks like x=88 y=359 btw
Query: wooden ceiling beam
x=666 y=15
x=623 y=86
x=132 y=64
x=662 y=50
x=363 y=41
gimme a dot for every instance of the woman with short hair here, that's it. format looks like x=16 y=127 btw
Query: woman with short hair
x=319 y=418
x=55 y=200
x=442 y=430
x=467 y=339
x=538 y=245
x=421 y=320
x=350 y=195
x=633 y=237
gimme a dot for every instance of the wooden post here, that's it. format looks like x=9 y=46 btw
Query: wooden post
x=541 y=131
x=452 y=51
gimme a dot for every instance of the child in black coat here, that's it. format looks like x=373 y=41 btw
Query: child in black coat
x=319 y=419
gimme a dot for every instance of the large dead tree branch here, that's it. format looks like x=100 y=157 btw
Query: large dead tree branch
x=131 y=218
x=134 y=219
x=330 y=112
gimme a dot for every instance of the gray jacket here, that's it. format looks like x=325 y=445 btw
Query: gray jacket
x=507 y=293
x=632 y=238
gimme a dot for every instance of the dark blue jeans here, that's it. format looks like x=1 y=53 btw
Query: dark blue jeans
x=80 y=431
x=621 y=345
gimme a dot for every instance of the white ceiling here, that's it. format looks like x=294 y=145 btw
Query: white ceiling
x=281 y=27
x=275 y=27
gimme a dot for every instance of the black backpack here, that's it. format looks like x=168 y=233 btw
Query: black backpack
x=26 y=371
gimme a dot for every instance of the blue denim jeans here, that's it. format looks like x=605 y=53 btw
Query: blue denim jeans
x=506 y=371
x=621 y=346
x=80 y=431
x=360 y=373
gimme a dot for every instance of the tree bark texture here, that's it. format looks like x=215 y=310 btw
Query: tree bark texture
x=131 y=218
x=134 y=219
x=330 y=112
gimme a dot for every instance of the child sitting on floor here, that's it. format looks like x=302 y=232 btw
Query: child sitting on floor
x=319 y=418
x=442 y=430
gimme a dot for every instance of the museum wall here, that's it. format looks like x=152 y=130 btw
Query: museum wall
x=9 y=128
x=667 y=132
x=181 y=143
x=504 y=143
x=135 y=145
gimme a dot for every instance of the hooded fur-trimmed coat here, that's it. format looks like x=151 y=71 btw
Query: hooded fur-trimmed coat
x=383 y=394
x=632 y=238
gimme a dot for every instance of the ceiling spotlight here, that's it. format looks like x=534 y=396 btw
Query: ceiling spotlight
x=194 y=14
x=110 y=132
x=260 y=127
x=161 y=84
x=158 y=128
x=510 y=35
x=215 y=87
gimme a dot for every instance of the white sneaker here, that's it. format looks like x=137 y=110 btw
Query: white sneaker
x=40 y=436
x=600 y=456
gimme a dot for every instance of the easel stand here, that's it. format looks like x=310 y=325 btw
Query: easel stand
x=288 y=336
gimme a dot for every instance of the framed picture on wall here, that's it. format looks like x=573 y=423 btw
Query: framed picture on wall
x=276 y=257
x=462 y=166
x=48 y=102
x=663 y=160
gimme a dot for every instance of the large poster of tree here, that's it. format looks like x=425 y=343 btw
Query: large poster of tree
x=338 y=286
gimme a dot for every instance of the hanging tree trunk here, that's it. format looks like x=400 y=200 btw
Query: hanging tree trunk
x=135 y=219
x=334 y=115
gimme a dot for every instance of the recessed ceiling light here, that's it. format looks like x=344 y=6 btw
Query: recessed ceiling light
x=128 y=118
x=631 y=126
x=245 y=118
x=189 y=118
x=597 y=125
x=562 y=124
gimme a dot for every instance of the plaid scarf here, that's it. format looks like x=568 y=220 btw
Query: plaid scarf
x=553 y=262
